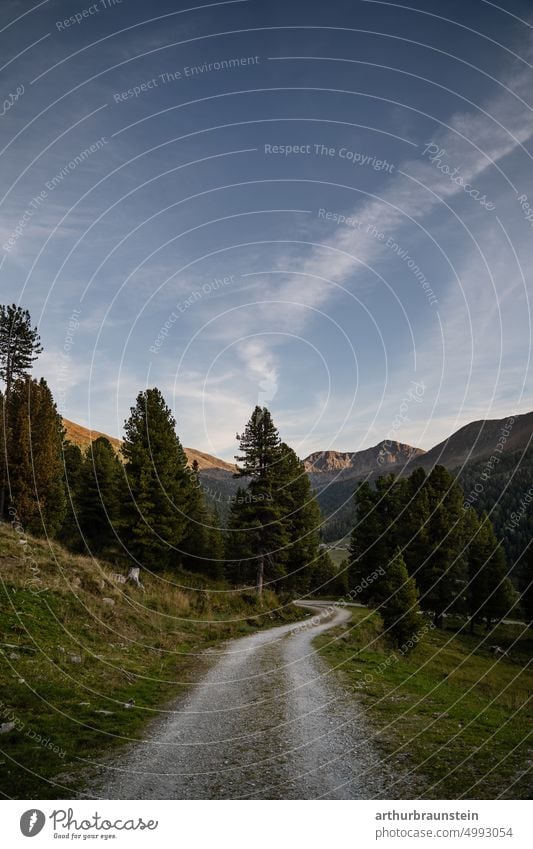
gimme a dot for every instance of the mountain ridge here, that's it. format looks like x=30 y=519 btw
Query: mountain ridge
x=471 y=442
x=83 y=436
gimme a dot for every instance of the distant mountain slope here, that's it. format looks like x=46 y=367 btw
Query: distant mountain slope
x=83 y=437
x=464 y=452
x=479 y=440
x=351 y=463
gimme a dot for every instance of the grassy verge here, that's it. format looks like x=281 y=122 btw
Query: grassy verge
x=456 y=721
x=76 y=648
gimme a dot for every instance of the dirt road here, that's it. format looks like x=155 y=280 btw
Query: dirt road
x=269 y=720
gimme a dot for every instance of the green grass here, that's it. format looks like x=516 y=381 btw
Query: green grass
x=455 y=721
x=146 y=646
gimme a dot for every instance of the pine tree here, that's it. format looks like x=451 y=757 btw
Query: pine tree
x=69 y=534
x=260 y=518
x=156 y=506
x=526 y=598
x=34 y=457
x=241 y=537
x=442 y=577
x=99 y=498
x=301 y=519
x=490 y=592
x=399 y=610
x=413 y=527
x=195 y=545
x=323 y=578
x=20 y=346
x=215 y=546
x=369 y=547
x=259 y=446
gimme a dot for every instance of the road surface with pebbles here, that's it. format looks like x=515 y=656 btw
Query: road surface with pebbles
x=269 y=720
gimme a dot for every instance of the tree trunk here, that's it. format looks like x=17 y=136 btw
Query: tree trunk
x=4 y=461
x=260 y=575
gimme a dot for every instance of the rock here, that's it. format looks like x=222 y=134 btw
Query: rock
x=75 y=658
x=14 y=656
x=109 y=601
x=5 y=727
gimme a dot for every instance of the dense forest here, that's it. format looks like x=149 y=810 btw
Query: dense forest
x=452 y=556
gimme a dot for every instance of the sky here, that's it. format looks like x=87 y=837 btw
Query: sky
x=323 y=208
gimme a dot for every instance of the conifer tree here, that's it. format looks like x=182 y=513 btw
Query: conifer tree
x=368 y=549
x=215 y=544
x=526 y=598
x=34 y=457
x=241 y=536
x=99 y=497
x=195 y=545
x=260 y=519
x=300 y=518
x=69 y=534
x=399 y=610
x=156 y=506
x=442 y=577
x=20 y=346
x=490 y=592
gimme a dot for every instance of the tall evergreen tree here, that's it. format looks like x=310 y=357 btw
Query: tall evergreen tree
x=69 y=534
x=399 y=610
x=526 y=598
x=156 y=507
x=442 y=577
x=300 y=518
x=195 y=545
x=372 y=541
x=241 y=537
x=490 y=592
x=260 y=519
x=34 y=457
x=215 y=545
x=20 y=346
x=99 y=497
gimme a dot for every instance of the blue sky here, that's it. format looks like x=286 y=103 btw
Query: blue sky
x=176 y=184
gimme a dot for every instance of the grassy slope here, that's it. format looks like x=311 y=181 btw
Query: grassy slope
x=455 y=719
x=144 y=647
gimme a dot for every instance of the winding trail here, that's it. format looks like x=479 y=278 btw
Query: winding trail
x=269 y=720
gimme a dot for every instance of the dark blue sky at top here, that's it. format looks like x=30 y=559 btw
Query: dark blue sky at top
x=329 y=324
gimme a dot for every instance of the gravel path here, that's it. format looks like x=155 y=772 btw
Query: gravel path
x=268 y=721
